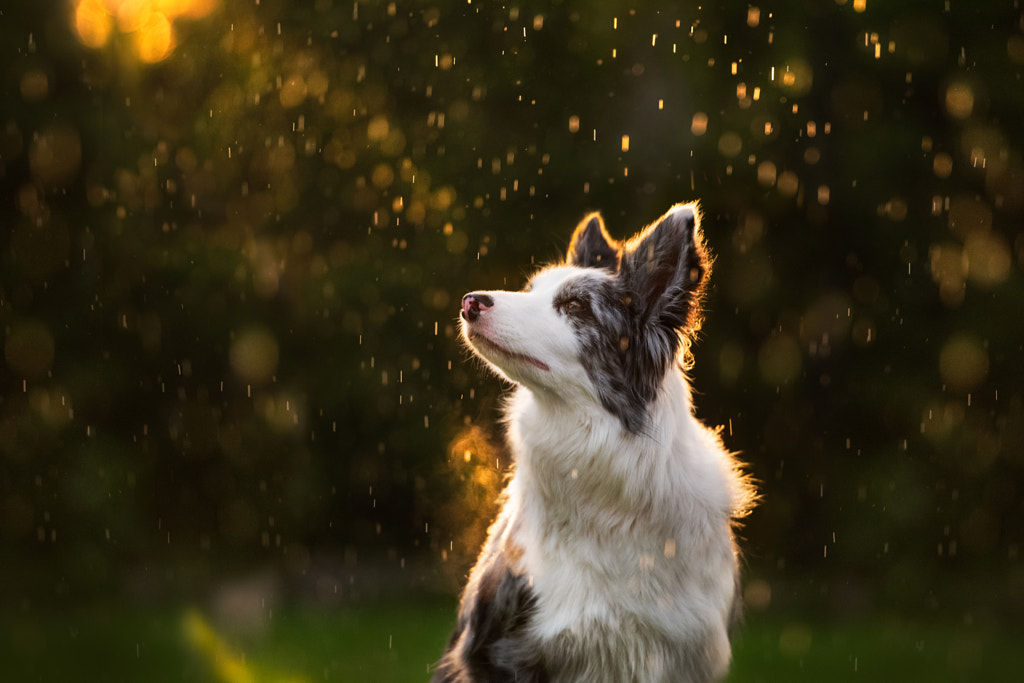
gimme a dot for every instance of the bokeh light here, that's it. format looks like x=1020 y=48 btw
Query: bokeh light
x=959 y=100
x=148 y=24
x=154 y=38
x=987 y=259
x=699 y=123
x=963 y=362
x=93 y=22
x=730 y=144
x=254 y=355
x=796 y=77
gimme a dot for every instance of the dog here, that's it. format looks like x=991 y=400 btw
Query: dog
x=613 y=557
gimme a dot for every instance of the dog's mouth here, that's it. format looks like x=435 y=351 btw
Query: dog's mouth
x=490 y=345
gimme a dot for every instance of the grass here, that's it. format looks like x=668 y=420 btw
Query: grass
x=398 y=642
x=393 y=643
x=891 y=649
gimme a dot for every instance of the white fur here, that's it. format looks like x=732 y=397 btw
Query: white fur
x=615 y=528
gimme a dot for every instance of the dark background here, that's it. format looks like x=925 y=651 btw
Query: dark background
x=229 y=280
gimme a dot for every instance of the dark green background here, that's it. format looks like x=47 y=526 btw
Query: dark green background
x=229 y=286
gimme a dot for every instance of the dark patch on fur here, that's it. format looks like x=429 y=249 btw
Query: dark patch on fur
x=491 y=641
x=599 y=311
x=631 y=329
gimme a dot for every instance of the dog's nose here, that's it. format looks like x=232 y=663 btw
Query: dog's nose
x=472 y=304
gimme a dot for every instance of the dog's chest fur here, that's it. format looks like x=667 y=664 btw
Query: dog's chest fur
x=625 y=544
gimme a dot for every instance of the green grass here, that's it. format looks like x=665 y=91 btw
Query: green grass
x=397 y=643
x=384 y=643
x=771 y=649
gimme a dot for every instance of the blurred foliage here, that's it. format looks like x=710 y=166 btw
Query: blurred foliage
x=236 y=235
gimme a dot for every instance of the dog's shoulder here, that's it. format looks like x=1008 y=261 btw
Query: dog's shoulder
x=492 y=640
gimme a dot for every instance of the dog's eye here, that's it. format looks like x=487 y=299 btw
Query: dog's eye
x=575 y=305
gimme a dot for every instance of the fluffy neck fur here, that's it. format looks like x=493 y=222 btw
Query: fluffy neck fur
x=574 y=453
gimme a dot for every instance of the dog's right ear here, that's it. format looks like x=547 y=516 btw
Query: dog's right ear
x=591 y=247
x=666 y=266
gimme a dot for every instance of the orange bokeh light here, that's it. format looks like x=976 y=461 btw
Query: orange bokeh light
x=93 y=22
x=154 y=39
x=190 y=9
x=147 y=23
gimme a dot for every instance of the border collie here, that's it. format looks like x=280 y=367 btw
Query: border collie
x=613 y=557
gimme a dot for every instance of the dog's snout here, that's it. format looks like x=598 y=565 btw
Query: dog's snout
x=473 y=303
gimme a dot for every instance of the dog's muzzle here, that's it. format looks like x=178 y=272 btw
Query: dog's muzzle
x=473 y=304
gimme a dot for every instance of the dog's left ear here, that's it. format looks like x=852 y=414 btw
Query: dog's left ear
x=665 y=267
x=591 y=246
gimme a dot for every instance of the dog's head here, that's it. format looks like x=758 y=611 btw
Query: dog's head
x=622 y=312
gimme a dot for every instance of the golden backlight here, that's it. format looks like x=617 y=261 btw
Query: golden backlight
x=148 y=25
